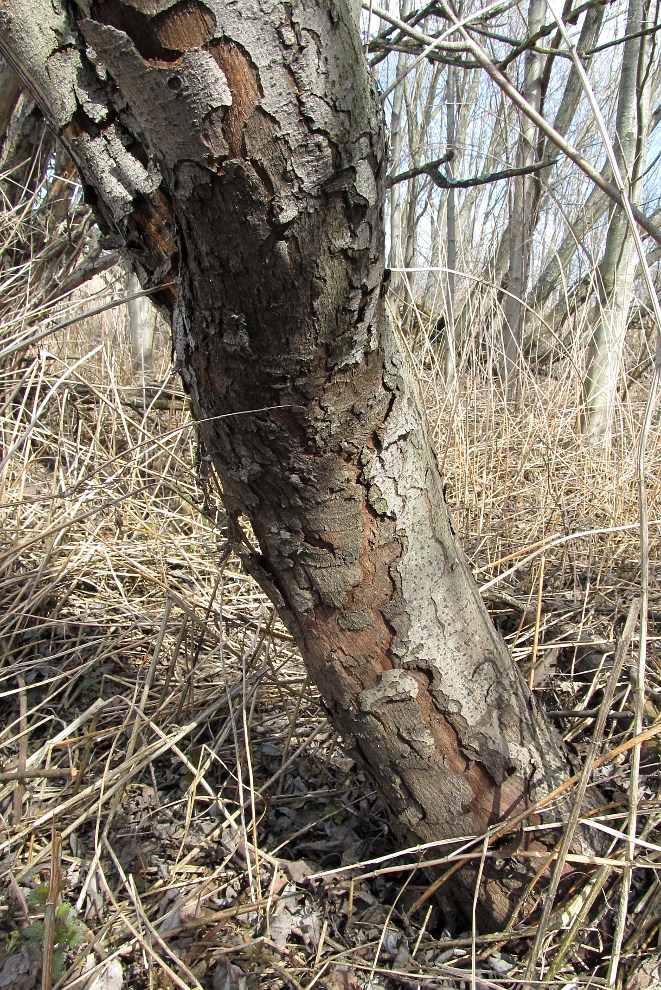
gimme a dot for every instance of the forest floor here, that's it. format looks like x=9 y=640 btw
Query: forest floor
x=175 y=809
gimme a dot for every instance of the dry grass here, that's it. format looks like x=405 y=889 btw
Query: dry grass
x=174 y=808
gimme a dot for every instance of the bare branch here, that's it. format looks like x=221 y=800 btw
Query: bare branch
x=569 y=150
x=443 y=182
x=429 y=168
x=621 y=41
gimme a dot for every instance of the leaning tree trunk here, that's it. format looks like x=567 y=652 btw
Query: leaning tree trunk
x=239 y=150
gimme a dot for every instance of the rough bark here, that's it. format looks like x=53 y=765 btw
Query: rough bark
x=239 y=151
x=10 y=90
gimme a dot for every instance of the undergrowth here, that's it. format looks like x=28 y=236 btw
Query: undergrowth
x=175 y=809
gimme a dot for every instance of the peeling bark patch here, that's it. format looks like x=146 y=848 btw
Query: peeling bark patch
x=393 y=685
x=353 y=650
x=153 y=223
x=491 y=801
x=354 y=636
x=120 y=176
x=164 y=36
x=242 y=81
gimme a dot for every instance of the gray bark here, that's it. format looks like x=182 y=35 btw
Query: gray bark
x=240 y=149
x=449 y=344
x=573 y=89
x=396 y=255
x=616 y=270
x=522 y=218
x=142 y=323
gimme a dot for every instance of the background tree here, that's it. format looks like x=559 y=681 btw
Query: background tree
x=522 y=210
x=615 y=274
x=142 y=323
x=558 y=248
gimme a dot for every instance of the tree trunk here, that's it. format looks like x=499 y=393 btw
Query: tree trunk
x=142 y=324
x=395 y=196
x=449 y=342
x=240 y=150
x=615 y=275
x=522 y=218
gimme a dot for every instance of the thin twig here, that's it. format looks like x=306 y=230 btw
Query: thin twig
x=583 y=781
x=50 y=911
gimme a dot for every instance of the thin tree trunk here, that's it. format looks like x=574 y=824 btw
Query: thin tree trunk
x=141 y=328
x=396 y=256
x=249 y=172
x=552 y=273
x=573 y=90
x=616 y=270
x=542 y=295
x=415 y=193
x=522 y=212
x=449 y=343
x=494 y=256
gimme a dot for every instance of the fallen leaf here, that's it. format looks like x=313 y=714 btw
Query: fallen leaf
x=647 y=976
x=110 y=976
x=285 y=916
x=228 y=976
x=21 y=970
x=500 y=965
x=297 y=870
x=341 y=979
x=17 y=965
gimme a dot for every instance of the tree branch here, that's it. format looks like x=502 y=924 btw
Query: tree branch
x=482 y=180
x=537 y=118
x=621 y=41
x=429 y=168
x=443 y=182
x=388 y=41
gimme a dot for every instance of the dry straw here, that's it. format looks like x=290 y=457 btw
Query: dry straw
x=165 y=768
